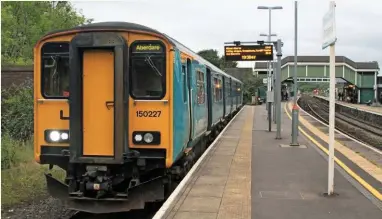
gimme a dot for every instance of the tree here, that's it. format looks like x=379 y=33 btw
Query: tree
x=23 y=23
x=211 y=55
x=251 y=83
x=227 y=64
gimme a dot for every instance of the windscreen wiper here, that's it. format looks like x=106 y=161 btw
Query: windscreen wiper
x=152 y=65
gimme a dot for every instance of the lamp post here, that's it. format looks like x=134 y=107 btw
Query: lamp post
x=295 y=108
x=269 y=104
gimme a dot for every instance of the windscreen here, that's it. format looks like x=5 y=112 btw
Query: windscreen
x=147 y=71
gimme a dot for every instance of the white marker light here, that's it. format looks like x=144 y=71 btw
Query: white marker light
x=64 y=136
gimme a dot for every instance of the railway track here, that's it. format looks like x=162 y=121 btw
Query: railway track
x=358 y=129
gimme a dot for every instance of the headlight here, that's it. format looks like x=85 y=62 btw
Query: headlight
x=146 y=138
x=54 y=136
x=57 y=136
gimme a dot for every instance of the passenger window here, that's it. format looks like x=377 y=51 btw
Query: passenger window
x=220 y=90
x=55 y=70
x=200 y=88
x=227 y=90
x=217 y=90
x=237 y=89
x=184 y=83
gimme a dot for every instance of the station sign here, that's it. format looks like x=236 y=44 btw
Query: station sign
x=249 y=53
x=329 y=27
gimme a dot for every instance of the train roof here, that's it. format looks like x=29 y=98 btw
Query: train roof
x=138 y=27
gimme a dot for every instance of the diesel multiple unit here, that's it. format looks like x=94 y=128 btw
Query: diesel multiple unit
x=125 y=110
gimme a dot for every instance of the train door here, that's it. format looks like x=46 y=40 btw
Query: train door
x=237 y=94
x=228 y=97
x=224 y=95
x=97 y=109
x=236 y=97
x=190 y=104
x=209 y=98
x=186 y=109
x=198 y=100
x=98 y=68
x=231 y=96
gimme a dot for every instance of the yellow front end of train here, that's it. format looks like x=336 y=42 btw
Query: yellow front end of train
x=103 y=112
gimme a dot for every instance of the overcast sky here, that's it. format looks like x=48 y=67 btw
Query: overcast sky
x=204 y=24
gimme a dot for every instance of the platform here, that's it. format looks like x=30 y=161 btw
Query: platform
x=250 y=174
x=363 y=107
x=220 y=186
x=290 y=182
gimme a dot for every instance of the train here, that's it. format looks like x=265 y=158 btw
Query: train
x=125 y=111
x=261 y=94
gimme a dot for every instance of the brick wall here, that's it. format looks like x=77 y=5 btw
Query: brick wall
x=13 y=74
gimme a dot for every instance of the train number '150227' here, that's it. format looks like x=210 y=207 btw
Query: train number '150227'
x=148 y=113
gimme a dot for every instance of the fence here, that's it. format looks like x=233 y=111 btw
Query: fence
x=15 y=74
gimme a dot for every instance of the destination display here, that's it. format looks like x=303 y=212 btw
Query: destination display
x=249 y=53
x=147 y=48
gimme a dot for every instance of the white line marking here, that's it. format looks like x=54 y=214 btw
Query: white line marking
x=361 y=143
x=161 y=212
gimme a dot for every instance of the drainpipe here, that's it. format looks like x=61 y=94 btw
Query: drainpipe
x=375 y=88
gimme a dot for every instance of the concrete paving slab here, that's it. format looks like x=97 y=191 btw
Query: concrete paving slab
x=221 y=186
x=194 y=215
x=207 y=190
x=289 y=183
x=201 y=204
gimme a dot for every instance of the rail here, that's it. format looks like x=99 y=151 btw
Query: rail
x=360 y=130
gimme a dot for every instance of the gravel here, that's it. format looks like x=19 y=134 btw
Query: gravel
x=51 y=208
x=48 y=208
x=361 y=130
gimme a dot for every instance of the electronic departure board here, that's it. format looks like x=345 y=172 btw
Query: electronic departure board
x=145 y=47
x=249 y=53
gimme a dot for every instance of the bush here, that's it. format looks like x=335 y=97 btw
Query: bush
x=14 y=152
x=17 y=111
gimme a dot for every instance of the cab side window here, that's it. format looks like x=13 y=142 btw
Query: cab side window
x=55 y=70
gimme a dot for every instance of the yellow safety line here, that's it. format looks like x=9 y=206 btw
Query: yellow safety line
x=371 y=189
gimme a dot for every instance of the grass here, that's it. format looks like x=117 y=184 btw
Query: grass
x=22 y=179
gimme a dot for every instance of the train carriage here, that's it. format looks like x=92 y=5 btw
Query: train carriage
x=125 y=110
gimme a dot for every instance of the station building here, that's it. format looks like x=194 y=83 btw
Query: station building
x=363 y=76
